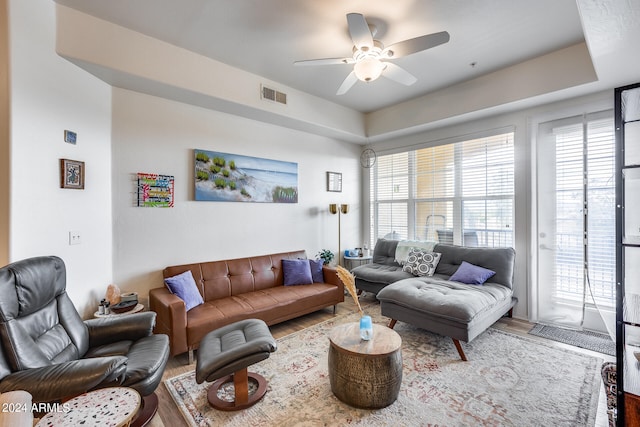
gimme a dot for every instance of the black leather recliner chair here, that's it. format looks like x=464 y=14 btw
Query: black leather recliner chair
x=49 y=351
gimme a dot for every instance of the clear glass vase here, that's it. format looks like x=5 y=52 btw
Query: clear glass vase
x=366 y=328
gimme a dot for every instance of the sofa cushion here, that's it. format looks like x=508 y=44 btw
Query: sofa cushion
x=272 y=305
x=380 y=273
x=442 y=298
x=500 y=260
x=385 y=252
x=471 y=274
x=185 y=288
x=296 y=272
x=316 y=270
x=421 y=263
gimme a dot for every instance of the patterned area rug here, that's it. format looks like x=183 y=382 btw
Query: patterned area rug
x=594 y=341
x=508 y=381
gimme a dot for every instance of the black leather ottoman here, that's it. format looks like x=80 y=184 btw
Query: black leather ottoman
x=226 y=353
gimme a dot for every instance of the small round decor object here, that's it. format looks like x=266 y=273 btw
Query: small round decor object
x=124 y=306
x=368 y=158
x=129 y=296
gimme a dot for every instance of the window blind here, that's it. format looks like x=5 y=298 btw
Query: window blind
x=459 y=193
x=390 y=189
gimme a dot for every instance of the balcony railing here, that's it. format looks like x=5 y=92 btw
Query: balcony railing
x=491 y=238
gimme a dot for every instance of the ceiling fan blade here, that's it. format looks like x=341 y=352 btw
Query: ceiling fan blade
x=397 y=74
x=325 y=61
x=347 y=83
x=418 y=44
x=359 y=30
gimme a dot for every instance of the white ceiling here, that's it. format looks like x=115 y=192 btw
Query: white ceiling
x=266 y=37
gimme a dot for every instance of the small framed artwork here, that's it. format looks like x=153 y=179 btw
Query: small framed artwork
x=71 y=174
x=70 y=137
x=334 y=181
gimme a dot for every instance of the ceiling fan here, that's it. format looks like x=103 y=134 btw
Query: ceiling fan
x=370 y=57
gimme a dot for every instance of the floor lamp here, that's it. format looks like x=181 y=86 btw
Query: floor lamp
x=344 y=209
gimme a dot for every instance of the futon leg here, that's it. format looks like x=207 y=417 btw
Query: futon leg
x=392 y=323
x=459 y=348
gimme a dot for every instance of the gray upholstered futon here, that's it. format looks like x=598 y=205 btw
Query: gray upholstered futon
x=450 y=308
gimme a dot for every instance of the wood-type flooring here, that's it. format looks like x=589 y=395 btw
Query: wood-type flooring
x=169 y=415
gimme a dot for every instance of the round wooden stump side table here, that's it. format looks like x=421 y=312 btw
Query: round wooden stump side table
x=111 y=407
x=365 y=374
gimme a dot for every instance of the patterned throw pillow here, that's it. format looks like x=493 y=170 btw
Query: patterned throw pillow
x=421 y=263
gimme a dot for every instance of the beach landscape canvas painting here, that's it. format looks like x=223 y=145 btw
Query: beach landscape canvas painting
x=224 y=177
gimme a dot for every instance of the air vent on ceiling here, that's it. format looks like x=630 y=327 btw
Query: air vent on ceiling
x=273 y=95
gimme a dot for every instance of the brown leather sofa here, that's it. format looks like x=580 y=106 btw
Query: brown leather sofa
x=238 y=289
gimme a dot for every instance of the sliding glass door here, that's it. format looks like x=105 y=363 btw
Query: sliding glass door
x=575 y=218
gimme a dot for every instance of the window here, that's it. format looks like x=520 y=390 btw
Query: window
x=576 y=216
x=460 y=193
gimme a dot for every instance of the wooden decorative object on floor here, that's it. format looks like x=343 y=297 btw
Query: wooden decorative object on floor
x=242 y=398
x=365 y=374
x=233 y=348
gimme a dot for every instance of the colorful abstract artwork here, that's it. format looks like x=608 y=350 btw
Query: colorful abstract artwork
x=155 y=191
x=223 y=177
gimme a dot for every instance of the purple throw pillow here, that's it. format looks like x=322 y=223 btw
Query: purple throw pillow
x=185 y=288
x=316 y=270
x=471 y=274
x=296 y=272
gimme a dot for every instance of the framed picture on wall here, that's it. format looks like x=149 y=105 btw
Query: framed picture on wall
x=155 y=191
x=71 y=174
x=334 y=181
x=226 y=177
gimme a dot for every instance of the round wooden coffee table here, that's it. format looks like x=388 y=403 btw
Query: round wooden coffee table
x=365 y=374
x=111 y=406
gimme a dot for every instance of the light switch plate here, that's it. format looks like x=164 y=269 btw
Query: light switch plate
x=74 y=238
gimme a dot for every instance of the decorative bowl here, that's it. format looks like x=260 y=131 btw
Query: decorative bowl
x=123 y=307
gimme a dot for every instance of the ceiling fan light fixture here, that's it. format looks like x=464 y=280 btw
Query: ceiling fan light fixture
x=370 y=58
x=368 y=69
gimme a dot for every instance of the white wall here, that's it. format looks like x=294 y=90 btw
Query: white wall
x=156 y=135
x=5 y=137
x=49 y=95
x=135 y=61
